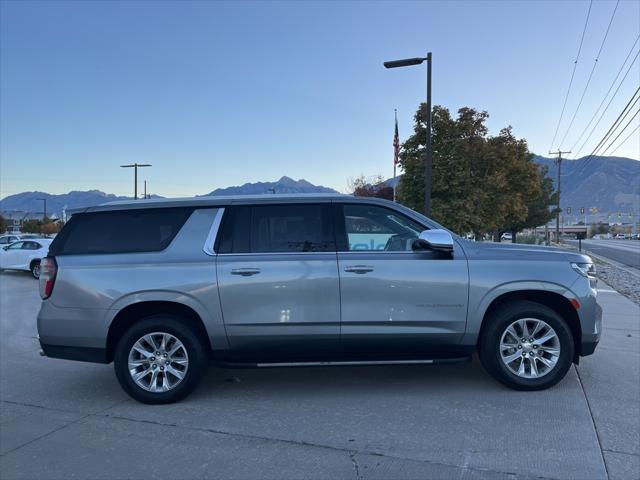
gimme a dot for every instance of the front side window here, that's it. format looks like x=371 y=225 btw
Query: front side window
x=16 y=246
x=277 y=229
x=373 y=228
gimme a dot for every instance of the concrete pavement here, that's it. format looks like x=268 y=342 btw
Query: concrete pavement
x=61 y=419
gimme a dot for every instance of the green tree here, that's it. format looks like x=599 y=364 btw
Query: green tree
x=457 y=151
x=480 y=184
x=31 y=226
x=51 y=227
x=3 y=224
x=538 y=204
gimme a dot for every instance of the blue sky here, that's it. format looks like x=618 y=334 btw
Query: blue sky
x=215 y=94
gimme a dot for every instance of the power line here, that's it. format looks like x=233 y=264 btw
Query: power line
x=621 y=116
x=608 y=104
x=607 y=94
x=595 y=64
x=625 y=111
x=621 y=132
x=575 y=65
x=625 y=140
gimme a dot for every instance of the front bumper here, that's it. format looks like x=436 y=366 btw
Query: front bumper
x=590 y=339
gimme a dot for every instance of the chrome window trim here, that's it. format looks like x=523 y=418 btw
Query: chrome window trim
x=332 y=252
x=258 y=254
x=213 y=233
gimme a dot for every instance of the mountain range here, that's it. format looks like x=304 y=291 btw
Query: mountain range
x=611 y=184
x=31 y=204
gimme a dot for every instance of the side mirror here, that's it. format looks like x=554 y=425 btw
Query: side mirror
x=5 y=248
x=436 y=239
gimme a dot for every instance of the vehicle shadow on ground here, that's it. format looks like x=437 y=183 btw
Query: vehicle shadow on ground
x=352 y=380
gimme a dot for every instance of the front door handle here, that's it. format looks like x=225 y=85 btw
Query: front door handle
x=245 y=272
x=359 y=269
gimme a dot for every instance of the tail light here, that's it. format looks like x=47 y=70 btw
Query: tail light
x=48 y=271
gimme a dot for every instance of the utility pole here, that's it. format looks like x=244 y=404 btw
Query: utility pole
x=145 y=190
x=558 y=162
x=135 y=176
x=44 y=213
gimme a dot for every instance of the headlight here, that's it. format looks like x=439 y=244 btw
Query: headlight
x=585 y=269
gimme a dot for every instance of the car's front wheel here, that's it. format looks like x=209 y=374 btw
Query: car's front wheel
x=159 y=360
x=526 y=346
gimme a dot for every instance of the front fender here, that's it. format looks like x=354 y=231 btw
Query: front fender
x=477 y=313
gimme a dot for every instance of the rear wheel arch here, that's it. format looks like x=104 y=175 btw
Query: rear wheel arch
x=555 y=301
x=128 y=316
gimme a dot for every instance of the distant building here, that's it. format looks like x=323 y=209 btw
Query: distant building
x=14 y=219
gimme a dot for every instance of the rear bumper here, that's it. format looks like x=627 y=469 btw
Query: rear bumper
x=82 y=354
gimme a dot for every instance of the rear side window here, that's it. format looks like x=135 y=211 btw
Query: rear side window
x=278 y=229
x=121 y=231
x=31 y=246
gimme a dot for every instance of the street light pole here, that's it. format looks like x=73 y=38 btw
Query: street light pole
x=428 y=151
x=428 y=156
x=44 y=214
x=135 y=175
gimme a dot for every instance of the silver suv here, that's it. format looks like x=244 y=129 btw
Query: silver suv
x=162 y=288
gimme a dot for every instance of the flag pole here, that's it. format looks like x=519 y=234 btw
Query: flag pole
x=393 y=180
x=396 y=144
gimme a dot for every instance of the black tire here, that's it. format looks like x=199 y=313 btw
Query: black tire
x=35 y=269
x=196 y=352
x=489 y=344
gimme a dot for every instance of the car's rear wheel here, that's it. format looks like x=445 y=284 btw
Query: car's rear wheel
x=526 y=346
x=35 y=268
x=159 y=360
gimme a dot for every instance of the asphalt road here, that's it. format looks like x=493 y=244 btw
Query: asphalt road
x=626 y=252
x=63 y=419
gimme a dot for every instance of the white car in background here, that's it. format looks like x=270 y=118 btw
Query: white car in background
x=25 y=255
x=8 y=239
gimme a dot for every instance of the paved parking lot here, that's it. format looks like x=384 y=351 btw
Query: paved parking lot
x=62 y=419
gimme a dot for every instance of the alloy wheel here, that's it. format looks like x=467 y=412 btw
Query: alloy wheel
x=529 y=348
x=158 y=362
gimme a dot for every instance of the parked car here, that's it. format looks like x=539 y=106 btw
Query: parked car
x=7 y=239
x=506 y=237
x=24 y=255
x=164 y=287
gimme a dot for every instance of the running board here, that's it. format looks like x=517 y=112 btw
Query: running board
x=364 y=362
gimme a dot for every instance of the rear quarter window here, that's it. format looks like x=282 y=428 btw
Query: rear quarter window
x=120 y=231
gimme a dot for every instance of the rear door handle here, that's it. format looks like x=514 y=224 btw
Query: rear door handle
x=245 y=272
x=360 y=269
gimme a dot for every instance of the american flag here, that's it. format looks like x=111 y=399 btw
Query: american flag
x=396 y=144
